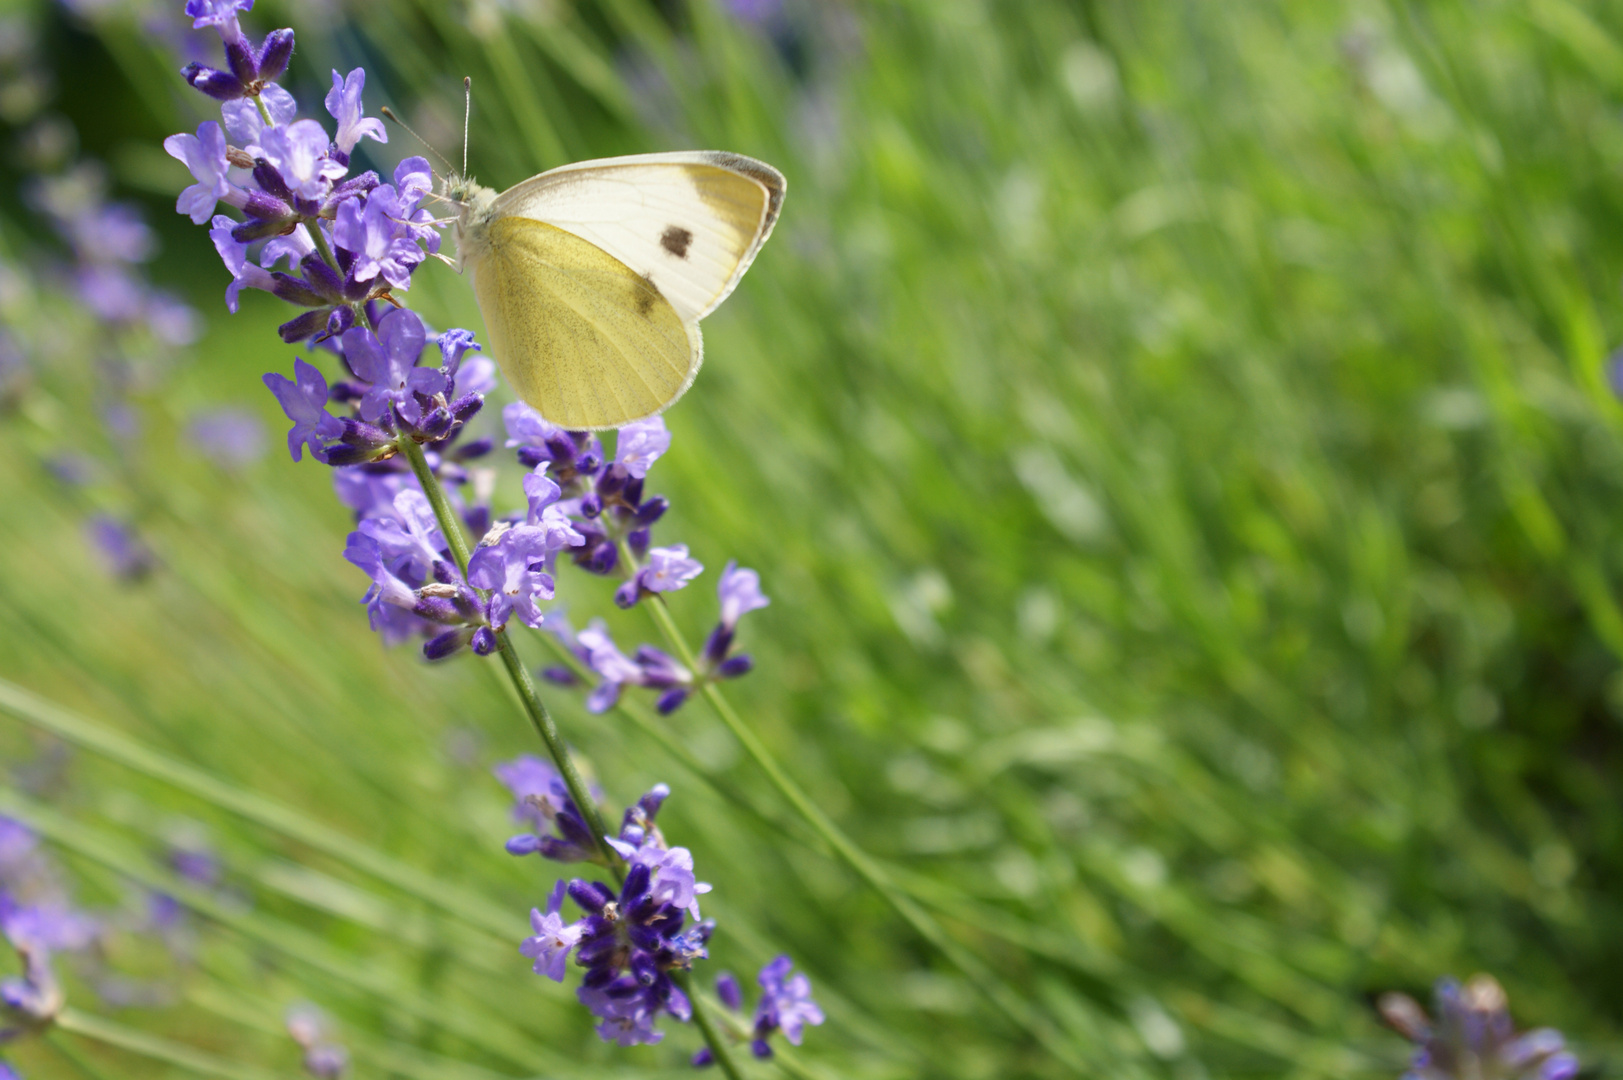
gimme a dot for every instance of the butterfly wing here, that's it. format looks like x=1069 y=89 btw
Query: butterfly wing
x=689 y=222
x=583 y=338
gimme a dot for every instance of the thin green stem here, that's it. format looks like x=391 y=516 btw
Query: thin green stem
x=980 y=975
x=701 y=1020
x=536 y=709
x=541 y=719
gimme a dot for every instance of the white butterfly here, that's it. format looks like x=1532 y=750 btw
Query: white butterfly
x=592 y=277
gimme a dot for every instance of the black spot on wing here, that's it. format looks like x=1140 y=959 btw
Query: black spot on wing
x=676 y=240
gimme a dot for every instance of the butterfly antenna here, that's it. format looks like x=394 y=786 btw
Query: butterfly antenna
x=467 y=114
x=390 y=114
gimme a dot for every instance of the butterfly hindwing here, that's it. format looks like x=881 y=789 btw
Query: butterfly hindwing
x=688 y=222
x=582 y=336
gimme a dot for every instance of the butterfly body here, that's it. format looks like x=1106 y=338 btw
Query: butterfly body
x=592 y=278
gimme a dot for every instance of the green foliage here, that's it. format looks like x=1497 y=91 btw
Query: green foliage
x=1177 y=443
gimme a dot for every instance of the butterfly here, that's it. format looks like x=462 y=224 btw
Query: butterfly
x=592 y=277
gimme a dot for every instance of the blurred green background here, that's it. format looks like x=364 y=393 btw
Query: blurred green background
x=1176 y=438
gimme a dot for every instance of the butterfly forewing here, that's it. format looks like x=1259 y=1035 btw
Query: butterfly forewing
x=689 y=223
x=581 y=335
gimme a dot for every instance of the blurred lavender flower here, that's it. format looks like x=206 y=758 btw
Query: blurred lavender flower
x=232 y=438
x=1473 y=1037
x=123 y=552
x=786 y=1005
x=309 y=1027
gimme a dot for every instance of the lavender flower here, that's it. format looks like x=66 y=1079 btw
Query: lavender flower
x=1473 y=1037
x=323 y=1058
x=553 y=940
x=629 y=942
x=125 y=556
x=667 y=570
x=786 y=1005
x=543 y=801
x=232 y=438
x=304 y=399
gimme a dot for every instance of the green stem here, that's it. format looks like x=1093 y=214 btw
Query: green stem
x=536 y=709
x=541 y=720
x=701 y=1020
x=978 y=973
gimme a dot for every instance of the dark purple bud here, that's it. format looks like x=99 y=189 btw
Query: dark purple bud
x=560 y=447
x=239 y=56
x=341 y=319
x=338 y=455
x=531 y=456
x=590 y=895
x=274 y=54
x=478 y=519
x=337 y=155
x=637 y=540
x=761 y=1048
x=473 y=448
x=604 y=558
x=727 y=989
x=467 y=407
x=439 y=609
x=612 y=481
x=591 y=504
x=294 y=291
x=718 y=643
x=353 y=188
x=558 y=851
x=263 y=206
x=652 y=510
x=260 y=229
x=703 y=1057
x=671 y=700
x=559 y=676
x=598 y=978
x=322 y=277
x=269 y=180
x=484 y=641
x=587 y=462
x=303 y=327
x=734 y=666
x=627 y=595
x=638 y=878
x=220 y=85
x=644 y=967
x=633 y=491
x=524 y=844
x=446 y=644
x=360 y=433
x=650 y=803
x=436 y=425
x=443 y=572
